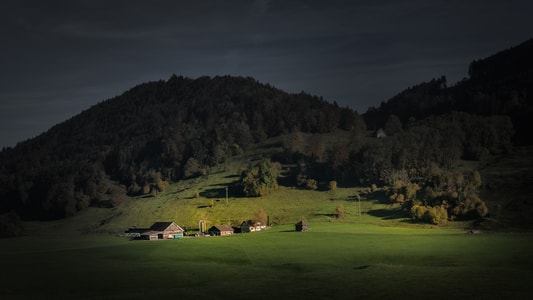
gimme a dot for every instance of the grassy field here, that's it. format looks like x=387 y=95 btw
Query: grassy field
x=331 y=261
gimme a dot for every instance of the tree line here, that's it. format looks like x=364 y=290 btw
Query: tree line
x=415 y=165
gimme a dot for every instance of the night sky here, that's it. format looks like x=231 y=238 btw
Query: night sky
x=58 y=58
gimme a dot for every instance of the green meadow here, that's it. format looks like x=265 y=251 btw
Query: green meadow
x=331 y=261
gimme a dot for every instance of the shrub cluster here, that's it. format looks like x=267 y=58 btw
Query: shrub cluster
x=259 y=180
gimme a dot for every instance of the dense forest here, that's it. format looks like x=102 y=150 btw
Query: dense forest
x=165 y=131
x=497 y=85
x=153 y=134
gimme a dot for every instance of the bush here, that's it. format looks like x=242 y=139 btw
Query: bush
x=10 y=225
x=311 y=184
x=260 y=180
x=418 y=212
x=437 y=215
x=339 y=211
x=471 y=208
x=332 y=185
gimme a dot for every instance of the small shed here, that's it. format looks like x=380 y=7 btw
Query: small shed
x=381 y=133
x=221 y=230
x=301 y=226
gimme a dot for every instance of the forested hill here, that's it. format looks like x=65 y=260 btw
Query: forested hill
x=161 y=132
x=501 y=84
x=155 y=133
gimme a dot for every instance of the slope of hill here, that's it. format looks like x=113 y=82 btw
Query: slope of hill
x=501 y=84
x=160 y=133
x=153 y=134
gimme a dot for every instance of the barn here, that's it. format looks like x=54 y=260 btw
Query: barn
x=221 y=230
x=158 y=231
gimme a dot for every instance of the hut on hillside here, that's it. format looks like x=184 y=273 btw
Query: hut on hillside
x=381 y=133
x=221 y=230
x=301 y=226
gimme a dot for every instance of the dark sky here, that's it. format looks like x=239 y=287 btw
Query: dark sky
x=60 y=57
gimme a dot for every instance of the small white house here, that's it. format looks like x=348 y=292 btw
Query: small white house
x=251 y=226
x=381 y=133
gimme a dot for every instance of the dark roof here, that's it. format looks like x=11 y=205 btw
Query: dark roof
x=137 y=230
x=160 y=226
x=224 y=227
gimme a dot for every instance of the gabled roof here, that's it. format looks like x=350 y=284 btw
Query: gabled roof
x=162 y=226
x=223 y=227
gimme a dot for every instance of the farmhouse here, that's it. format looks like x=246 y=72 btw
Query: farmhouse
x=158 y=231
x=301 y=226
x=251 y=226
x=221 y=230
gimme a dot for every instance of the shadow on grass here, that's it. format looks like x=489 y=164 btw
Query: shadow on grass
x=387 y=214
x=219 y=191
x=272 y=145
x=327 y=215
x=214 y=193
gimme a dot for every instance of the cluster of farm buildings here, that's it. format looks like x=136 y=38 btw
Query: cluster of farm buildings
x=171 y=230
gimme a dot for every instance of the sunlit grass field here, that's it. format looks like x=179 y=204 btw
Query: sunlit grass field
x=331 y=261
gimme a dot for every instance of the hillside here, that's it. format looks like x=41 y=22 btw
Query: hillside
x=162 y=137
x=154 y=134
x=500 y=84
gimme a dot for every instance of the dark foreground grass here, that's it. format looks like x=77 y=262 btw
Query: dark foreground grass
x=332 y=261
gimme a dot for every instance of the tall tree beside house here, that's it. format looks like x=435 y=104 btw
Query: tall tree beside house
x=339 y=211
x=261 y=216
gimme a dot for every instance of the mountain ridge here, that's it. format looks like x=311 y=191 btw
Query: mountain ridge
x=500 y=84
x=163 y=131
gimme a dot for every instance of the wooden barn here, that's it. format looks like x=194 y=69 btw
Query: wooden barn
x=221 y=230
x=158 y=231
x=301 y=226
